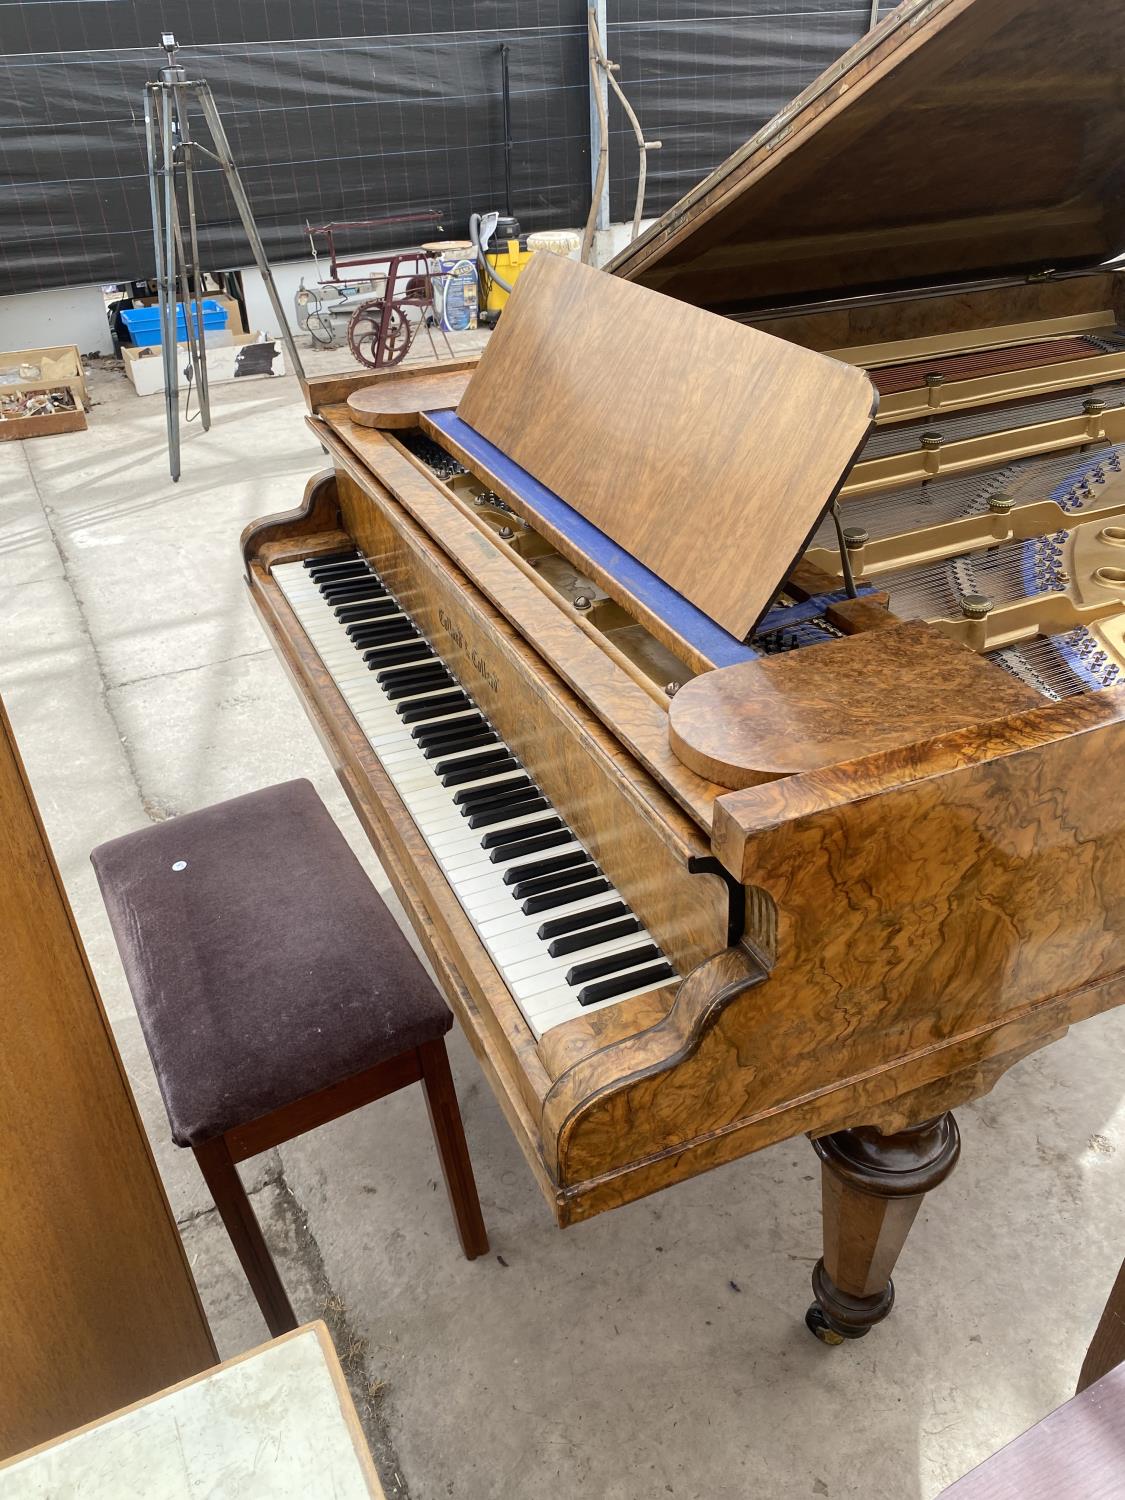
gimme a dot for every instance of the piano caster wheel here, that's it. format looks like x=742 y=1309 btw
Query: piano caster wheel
x=820 y=1328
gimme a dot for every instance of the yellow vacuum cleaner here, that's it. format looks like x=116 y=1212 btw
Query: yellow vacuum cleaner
x=503 y=254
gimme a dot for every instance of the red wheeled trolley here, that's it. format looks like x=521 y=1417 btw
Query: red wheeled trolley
x=385 y=324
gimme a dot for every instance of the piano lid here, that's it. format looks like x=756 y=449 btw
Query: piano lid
x=707 y=451
x=959 y=140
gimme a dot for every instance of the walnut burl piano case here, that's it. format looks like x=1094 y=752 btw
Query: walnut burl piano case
x=774 y=586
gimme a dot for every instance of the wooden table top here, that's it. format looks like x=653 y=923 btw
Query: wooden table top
x=1075 y=1453
x=276 y=1423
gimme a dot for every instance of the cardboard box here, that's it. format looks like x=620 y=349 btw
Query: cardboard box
x=12 y=428
x=59 y=364
x=235 y=359
x=233 y=311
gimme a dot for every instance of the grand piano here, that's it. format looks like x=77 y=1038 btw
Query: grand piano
x=724 y=667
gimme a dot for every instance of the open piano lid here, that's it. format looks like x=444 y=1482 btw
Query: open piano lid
x=960 y=140
x=707 y=451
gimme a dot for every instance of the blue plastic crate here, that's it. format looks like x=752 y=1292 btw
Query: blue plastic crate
x=143 y=323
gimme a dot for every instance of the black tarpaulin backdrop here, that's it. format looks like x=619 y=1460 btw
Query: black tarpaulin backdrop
x=341 y=109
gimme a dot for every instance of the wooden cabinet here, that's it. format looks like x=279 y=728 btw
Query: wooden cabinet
x=96 y=1299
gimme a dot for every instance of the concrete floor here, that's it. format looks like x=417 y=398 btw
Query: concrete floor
x=657 y=1350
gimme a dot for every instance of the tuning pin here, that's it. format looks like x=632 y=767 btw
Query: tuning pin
x=976 y=606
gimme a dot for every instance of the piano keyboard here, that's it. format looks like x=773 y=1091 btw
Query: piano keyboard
x=563 y=939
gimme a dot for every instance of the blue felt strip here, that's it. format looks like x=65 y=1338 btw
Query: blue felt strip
x=678 y=613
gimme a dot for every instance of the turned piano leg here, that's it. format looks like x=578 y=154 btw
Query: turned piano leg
x=873 y=1185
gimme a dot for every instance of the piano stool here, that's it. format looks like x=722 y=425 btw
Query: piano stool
x=275 y=992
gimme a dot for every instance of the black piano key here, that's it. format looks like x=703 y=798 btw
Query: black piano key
x=498 y=797
x=380 y=614
x=538 y=867
x=396 y=653
x=329 y=557
x=520 y=831
x=551 y=899
x=560 y=926
x=530 y=846
x=416 y=711
x=473 y=741
x=356 y=593
x=380 y=632
x=424 y=733
x=410 y=678
x=357 y=568
x=613 y=963
x=590 y=937
x=364 y=610
x=459 y=778
x=431 y=738
x=471 y=796
x=405 y=680
x=365 y=582
x=416 y=684
x=397 y=638
x=605 y=989
x=473 y=762
x=496 y=813
x=555 y=882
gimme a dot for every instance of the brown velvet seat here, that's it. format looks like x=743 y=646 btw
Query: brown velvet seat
x=275 y=992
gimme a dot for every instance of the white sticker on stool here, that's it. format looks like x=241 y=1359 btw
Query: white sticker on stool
x=181 y=864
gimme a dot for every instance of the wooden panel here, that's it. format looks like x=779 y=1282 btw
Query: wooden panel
x=399 y=403
x=706 y=450
x=1107 y=1347
x=878 y=690
x=99 y=1305
x=931 y=918
x=907 y=327
x=1012 y=107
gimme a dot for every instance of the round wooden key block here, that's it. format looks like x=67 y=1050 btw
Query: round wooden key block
x=830 y=704
x=399 y=402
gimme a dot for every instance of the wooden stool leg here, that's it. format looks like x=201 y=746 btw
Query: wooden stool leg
x=1107 y=1347
x=453 y=1151
x=873 y=1185
x=221 y=1176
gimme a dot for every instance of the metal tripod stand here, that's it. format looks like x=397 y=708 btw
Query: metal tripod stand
x=172 y=152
